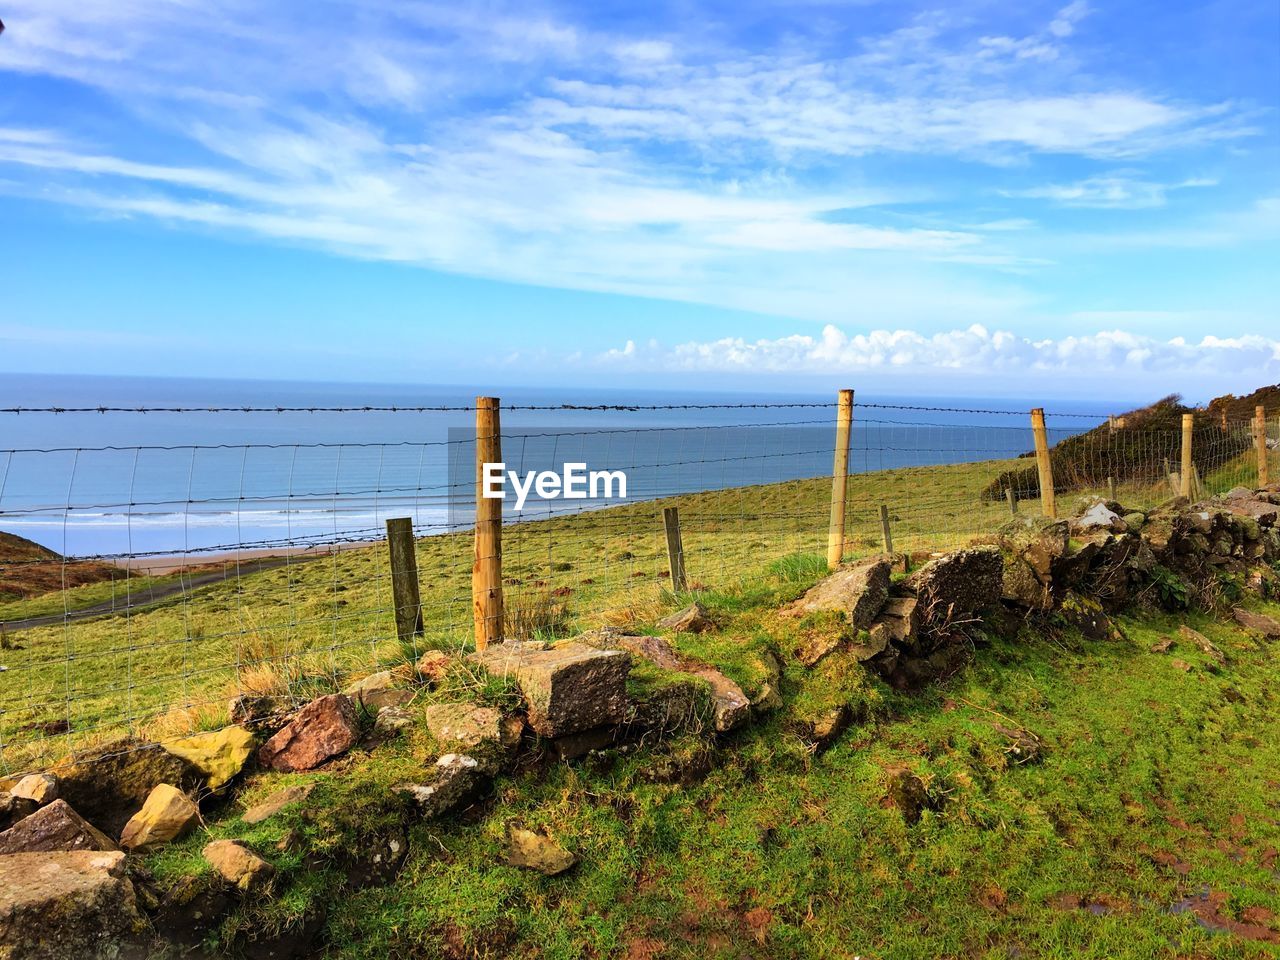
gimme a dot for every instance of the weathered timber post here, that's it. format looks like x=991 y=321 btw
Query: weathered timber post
x=885 y=530
x=1188 y=427
x=839 y=479
x=486 y=572
x=1048 y=503
x=404 y=578
x=1013 y=501
x=1260 y=444
x=675 y=548
x=1111 y=489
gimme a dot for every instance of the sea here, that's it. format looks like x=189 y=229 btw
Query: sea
x=321 y=463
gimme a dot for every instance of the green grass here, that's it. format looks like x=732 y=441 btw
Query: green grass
x=70 y=687
x=122 y=590
x=1155 y=783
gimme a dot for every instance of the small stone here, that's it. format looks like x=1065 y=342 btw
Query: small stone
x=392 y=720
x=56 y=827
x=167 y=815
x=323 y=729
x=40 y=788
x=1163 y=645
x=237 y=864
x=377 y=692
x=767 y=698
x=62 y=905
x=692 y=619
x=537 y=851
x=292 y=840
x=830 y=725
x=455 y=780
x=433 y=666
x=13 y=809
x=1178 y=664
x=1260 y=623
x=219 y=754
x=1204 y=644
x=277 y=801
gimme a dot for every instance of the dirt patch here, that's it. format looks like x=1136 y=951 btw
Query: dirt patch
x=1207 y=906
x=646 y=948
x=1163 y=859
x=1099 y=904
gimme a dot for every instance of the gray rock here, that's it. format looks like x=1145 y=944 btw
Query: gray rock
x=377 y=692
x=1267 y=626
x=68 y=904
x=1099 y=517
x=858 y=591
x=463 y=726
x=455 y=780
x=569 y=688
x=692 y=619
x=392 y=720
x=959 y=584
x=1203 y=643
x=56 y=827
x=273 y=804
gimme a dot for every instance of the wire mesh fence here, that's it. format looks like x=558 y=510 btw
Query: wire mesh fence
x=143 y=588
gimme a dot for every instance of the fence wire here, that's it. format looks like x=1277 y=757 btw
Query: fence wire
x=143 y=588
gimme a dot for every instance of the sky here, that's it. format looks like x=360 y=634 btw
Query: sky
x=966 y=198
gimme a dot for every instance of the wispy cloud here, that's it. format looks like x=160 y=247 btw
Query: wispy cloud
x=1115 y=191
x=519 y=143
x=975 y=349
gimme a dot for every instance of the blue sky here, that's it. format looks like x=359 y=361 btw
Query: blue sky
x=961 y=198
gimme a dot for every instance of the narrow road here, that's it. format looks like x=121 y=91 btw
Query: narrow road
x=153 y=596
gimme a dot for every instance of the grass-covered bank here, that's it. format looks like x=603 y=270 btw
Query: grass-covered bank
x=1056 y=797
x=1148 y=826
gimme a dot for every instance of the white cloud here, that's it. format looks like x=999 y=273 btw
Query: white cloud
x=975 y=350
x=1064 y=24
x=1110 y=191
x=507 y=142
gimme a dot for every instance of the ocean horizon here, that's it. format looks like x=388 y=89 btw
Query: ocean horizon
x=118 y=484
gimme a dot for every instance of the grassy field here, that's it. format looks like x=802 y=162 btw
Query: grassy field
x=310 y=624
x=1149 y=828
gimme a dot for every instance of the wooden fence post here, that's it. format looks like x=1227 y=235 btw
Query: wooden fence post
x=486 y=572
x=1260 y=444
x=404 y=578
x=1013 y=501
x=1048 y=503
x=1188 y=427
x=839 y=480
x=1111 y=489
x=885 y=530
x=675 y=548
